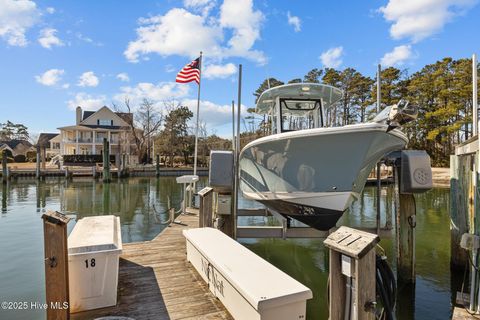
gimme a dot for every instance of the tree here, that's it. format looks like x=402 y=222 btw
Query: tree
x=296 y=80
x=266 y=84
x=144 y=124
x=392 y=86
x=174 y=138
x=313 y=76
x=13 y=131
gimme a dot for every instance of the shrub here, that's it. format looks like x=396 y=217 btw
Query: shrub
x=20 y=158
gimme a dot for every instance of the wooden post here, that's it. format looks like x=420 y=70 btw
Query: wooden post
x=361 y=253
x=4 y=167
x=206 y=207
x=388 y=209
x=106 y=198
x=157 y=165
x=4 y=197
x=405 y=233
x=37 y=164
x=106 y=161
x=124 y=164
x=56 y=265
x=226 y=223
x=44 y=158
x=459 y=173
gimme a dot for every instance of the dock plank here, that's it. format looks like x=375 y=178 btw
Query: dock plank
x=157 y=282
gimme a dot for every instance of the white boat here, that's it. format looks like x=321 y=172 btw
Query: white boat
x=305 y=170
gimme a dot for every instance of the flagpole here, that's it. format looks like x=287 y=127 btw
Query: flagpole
x=198 y=111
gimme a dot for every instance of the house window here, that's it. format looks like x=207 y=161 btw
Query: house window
x=55 y=145
x=105 y=122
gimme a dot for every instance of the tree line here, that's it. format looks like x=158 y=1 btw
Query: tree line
x=442 y=91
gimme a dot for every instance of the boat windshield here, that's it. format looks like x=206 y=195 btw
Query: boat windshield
x=298 y=114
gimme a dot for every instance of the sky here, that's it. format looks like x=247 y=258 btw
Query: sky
x=57 y=55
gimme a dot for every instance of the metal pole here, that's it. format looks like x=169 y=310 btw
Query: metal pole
x=475 y=94
x=198 y=111
x=379 y=69
x=379 y=182
x=237 y=152
x=233 y=126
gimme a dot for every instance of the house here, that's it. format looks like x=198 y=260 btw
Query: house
x=4 y=146
x=50 y=142
x=92 y=127
x=18 y=147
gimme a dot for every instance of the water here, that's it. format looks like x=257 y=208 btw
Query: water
x=141 y=204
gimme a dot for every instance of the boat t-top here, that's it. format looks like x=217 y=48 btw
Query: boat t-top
x=306 y=170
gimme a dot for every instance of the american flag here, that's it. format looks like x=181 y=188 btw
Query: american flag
x=189 y=73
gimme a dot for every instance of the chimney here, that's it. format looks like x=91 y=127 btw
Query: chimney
x=79 y=115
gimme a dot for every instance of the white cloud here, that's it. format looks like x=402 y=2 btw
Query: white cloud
x=16 y=17
x=397 y=56
x=87 y=101
x=50 y=77
x=48 y=38
x=245 y=24
x=213 y=71
x=86 y=39
x=170 y=68
x=181 y=32
x=211 y=113
x=156 y=93
x=203 y=6
x=294 y=21
x=419 y=19
x=332 y=58
x=177 y=32
x=123 y=77
x=66 y=85
x=88 y=79
x=50 y=10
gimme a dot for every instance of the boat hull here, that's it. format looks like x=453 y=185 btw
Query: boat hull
x=314 y=175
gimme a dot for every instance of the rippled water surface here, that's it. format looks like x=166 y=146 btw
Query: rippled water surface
x=141 y=202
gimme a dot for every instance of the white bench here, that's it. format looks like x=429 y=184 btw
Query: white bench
x=247 y=285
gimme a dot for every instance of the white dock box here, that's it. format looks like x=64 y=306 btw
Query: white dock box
x=94 y=248
x=247 y=285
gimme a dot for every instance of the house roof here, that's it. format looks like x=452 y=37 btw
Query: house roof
x=15 y=142
x=87 y=114
x=44 y=138
x=124 y=116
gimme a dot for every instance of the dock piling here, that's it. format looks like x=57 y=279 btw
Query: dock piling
x=205 y=211
x=157 y=165
x=56 y=265
x=405 y=233
x=37 y=164
x=4 y=166
x=460 y=176
x=106 y=161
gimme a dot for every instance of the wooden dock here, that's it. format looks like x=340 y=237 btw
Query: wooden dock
x=459 y=313
x=157 y=282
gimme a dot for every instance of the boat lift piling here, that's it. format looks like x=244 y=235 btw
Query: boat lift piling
x=4 y=167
